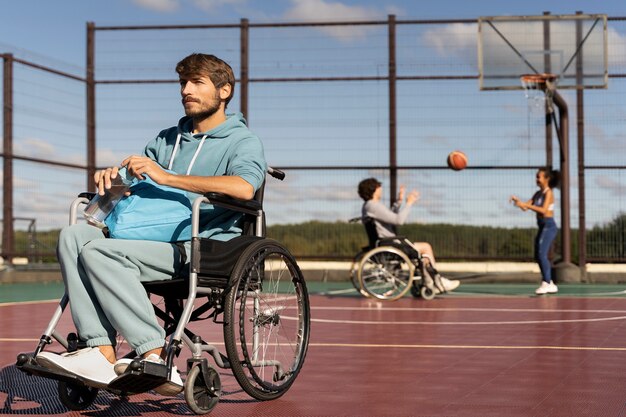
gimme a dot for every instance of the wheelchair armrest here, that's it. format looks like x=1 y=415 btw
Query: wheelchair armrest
x=237 y=204
x=87 y=195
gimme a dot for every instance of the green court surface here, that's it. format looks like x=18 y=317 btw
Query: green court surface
x=10 y=293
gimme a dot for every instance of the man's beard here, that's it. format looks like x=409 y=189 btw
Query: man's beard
x=207 y=112
x=203 y=113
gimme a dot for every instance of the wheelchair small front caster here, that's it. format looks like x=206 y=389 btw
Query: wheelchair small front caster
x=76 y=397
x=202 y=389
x=427 y=293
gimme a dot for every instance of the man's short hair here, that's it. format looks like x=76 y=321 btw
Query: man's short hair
x=218 y=71
x=367 y=187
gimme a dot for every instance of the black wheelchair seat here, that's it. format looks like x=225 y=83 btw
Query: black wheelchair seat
x=213 y=261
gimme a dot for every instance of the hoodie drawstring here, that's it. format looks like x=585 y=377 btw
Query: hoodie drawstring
x=195 y=155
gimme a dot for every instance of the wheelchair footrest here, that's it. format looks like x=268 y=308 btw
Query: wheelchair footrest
x=141 y=376
x=29 y=365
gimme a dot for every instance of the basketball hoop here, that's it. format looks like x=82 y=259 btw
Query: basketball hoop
x=539 y=88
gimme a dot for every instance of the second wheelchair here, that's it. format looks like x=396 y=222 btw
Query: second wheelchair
x=388 y=268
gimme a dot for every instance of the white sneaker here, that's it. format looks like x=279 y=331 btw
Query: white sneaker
x=546 y=288
x=170 y=388
x=88 y=364
x=448 y=284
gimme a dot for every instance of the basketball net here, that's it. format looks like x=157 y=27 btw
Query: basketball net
x=539 y=90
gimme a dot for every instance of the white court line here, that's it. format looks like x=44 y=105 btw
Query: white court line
x=9 y=339
x=29 y=302
x=368 y=345
x=467 y=323
x=502 y=310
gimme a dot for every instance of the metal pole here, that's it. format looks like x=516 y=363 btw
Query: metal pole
x=580 y=131
x=547 y=64
x=91 y=106
x=7 y=180
x=244 y=62
x=565 y=181
x=393 y=163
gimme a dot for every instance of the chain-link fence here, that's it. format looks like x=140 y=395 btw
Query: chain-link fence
x=333 y=103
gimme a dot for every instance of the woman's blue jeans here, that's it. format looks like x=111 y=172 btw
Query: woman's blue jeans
x=545 y=236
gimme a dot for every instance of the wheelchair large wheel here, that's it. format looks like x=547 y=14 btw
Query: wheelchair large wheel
x=386 y=273
x=267 y=323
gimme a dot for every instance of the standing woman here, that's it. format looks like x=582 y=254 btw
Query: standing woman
x=542 y=203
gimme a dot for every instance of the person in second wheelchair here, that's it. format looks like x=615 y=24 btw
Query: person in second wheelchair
x=387 y=220
x=211 y=152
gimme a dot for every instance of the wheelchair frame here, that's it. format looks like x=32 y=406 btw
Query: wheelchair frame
x=390 y=267
x=250 y=297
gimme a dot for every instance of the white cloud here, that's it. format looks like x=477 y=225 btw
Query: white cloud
x=617 y=47
x=321 y=10
x=454 y=39
x=33 y=147
x=109 y=158
x=610 y=184
x=164 y=6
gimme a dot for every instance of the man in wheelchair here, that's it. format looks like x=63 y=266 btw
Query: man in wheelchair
x=209 y=151
x=386 y=220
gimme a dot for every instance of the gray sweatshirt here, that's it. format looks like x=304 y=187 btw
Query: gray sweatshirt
x=385 y=219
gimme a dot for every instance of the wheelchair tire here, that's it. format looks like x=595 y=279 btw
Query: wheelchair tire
x=266 y=320
x=427 y=293
x=76 y=397
x=202 y=395
x=386 y=273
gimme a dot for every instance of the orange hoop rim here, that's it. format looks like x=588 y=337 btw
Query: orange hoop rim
x=529 y=80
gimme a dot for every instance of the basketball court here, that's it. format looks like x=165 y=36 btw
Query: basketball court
x=485 y=350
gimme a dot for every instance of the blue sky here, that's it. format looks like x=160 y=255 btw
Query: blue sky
x=53 y=33
x=57 y=28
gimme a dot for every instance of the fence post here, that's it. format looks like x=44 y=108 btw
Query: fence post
x=393 y=163
x=91 y=106
x=580 y=131
x=244 y=61
x=548 y=68
x=8 y=233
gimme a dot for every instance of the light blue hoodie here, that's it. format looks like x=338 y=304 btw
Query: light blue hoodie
x=228 y=149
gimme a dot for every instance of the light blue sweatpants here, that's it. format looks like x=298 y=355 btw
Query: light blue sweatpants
x=103 y=280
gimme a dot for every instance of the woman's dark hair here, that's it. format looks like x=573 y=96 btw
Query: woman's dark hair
x=367 y=187
x=553 y=176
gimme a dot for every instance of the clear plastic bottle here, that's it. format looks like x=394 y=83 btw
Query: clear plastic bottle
x=101 y=205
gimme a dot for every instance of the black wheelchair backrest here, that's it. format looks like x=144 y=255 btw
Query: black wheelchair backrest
x=370 y=229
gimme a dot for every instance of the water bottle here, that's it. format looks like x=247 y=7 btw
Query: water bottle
x=101 y=205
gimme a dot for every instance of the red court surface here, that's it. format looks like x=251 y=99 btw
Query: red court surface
x=476 y=356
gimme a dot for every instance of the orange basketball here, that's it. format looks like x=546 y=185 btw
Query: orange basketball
x=457 y=160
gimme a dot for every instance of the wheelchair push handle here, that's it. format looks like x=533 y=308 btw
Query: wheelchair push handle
x=276 y=173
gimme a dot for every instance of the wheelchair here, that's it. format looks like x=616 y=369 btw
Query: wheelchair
x=388 y=268
x=251 y=285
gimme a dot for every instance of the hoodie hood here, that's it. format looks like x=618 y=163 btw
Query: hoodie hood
x=233 y=122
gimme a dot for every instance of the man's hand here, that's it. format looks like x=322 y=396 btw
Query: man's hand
x=103 y=178
x=139 y=166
